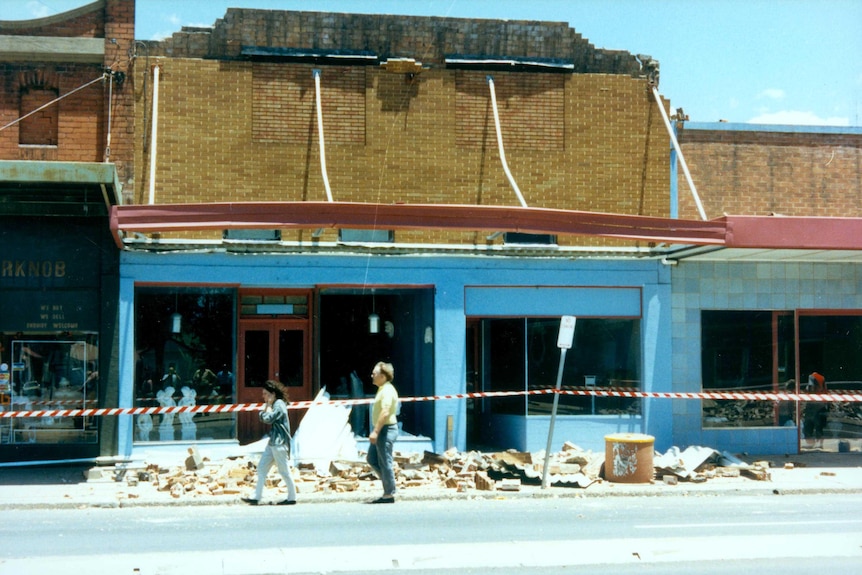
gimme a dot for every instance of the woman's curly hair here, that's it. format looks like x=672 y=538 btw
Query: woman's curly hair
x=279 y=389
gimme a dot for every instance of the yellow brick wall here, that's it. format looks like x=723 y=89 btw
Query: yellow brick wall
x=591 y=142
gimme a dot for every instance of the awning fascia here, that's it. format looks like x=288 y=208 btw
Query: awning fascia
x=314 y=215
x=771 y=232
x=793 y=232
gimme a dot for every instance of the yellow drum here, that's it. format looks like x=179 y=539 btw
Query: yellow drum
x=629 y=458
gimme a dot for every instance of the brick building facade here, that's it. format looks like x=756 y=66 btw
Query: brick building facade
x=238 y=116
x=407 y=111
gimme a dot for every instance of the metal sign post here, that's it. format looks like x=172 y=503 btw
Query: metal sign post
x=564 y=342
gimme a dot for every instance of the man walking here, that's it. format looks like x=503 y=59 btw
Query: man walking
x=382 y=437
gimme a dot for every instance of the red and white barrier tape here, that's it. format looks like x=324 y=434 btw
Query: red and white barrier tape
x=610 y=392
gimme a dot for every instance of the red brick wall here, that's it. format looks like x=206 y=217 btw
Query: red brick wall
x=79 y=116
x=759 y=173
x=120 y=42
x=39 y=128
x=82 y=117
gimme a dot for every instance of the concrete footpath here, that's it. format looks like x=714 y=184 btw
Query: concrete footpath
x=66 y=486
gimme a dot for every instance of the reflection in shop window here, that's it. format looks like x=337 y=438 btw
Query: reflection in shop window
x=755 y=351
x=831 y=344
x=747 y=352
x=46 y=372
x=184 y=356
x=522 y=354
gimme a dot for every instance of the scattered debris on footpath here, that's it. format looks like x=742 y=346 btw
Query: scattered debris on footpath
x=698 y=464
x=459 y=471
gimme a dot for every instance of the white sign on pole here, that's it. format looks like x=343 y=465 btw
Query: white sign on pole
x=567 y=332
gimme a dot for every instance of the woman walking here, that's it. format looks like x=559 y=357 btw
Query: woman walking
x=277 y=450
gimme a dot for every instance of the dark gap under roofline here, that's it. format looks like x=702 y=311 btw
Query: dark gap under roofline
x=508 y=63
x=309 y=55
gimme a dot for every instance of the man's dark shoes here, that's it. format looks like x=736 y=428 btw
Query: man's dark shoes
x=287 y=502
x=384 y=499
x=249 y=500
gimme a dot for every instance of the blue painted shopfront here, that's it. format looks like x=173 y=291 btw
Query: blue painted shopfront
x=463 y=288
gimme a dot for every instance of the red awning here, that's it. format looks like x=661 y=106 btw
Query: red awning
x=727 y=231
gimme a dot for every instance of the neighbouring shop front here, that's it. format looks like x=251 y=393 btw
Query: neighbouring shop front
x=768 y=327
x=58 y=288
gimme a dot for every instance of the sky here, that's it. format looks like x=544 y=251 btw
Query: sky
x=793 y=62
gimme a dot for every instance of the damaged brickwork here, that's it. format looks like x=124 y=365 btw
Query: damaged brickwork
x=238 y=117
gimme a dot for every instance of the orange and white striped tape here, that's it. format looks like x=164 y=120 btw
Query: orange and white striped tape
x=607 y=392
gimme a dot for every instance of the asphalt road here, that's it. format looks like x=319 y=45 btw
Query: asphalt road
x=758 y=534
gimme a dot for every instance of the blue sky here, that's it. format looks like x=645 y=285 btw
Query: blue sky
x=755 y=61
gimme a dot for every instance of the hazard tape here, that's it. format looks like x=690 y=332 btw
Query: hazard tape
x=67 y=402
x=609 y=392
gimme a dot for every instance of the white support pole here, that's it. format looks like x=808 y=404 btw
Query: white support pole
x=154 y=136
x=500 y=144
x=323 y=172
x=679 y=153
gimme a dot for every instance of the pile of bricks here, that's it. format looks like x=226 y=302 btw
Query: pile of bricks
x=452 y=470
x=458 y=471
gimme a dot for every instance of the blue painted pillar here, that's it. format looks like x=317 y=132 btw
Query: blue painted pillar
x=126 y=423
x=450 y=358
x=657 y=358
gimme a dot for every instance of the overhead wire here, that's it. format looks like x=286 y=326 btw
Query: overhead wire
x=54 y=101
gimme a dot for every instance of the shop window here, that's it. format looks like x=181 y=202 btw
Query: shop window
x=754 y=351
x=349 y=349
x=522 y=354
x=830 y=344
x=46 y=372
x=185 y=349
x=747 y=351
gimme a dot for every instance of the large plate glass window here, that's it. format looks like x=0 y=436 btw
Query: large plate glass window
x=49 y=372
x=185 y=350
x=784 y=351
x=521 y=354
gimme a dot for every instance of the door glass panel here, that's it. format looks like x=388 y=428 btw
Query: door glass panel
x=290 y=357
x=256 y=358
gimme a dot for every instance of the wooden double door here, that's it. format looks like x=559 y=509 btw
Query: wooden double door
x=272 y=349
